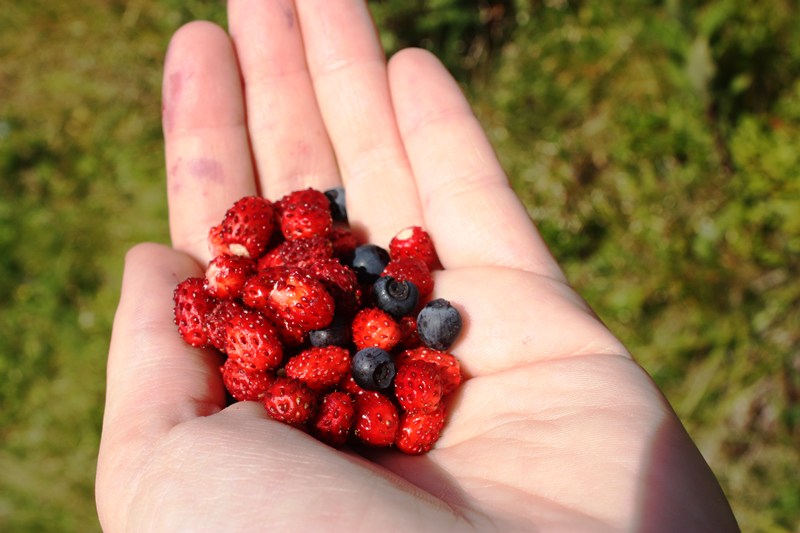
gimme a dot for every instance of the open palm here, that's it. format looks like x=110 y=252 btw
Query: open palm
x=556 y=427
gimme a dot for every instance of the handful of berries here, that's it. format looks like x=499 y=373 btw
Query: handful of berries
x=332 y=336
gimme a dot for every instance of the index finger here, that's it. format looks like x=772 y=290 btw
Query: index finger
x=207 y=150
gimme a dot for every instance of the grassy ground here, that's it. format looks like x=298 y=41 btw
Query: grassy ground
x=656 y=144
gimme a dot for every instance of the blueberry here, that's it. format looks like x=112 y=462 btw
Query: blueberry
x=398 y=298
x=438 y=324
x=368 y=262
x=373 y=368
x=337 y=333
x=338 y=207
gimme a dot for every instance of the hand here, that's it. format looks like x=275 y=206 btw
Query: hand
x=556 y=429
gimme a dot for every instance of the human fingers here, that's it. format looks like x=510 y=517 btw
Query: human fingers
x=470 y=210
x=290 y=146
x=207 y=154
x=348 y=69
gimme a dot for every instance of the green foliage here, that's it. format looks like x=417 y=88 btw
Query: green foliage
x=655 y=144
x=462 y=33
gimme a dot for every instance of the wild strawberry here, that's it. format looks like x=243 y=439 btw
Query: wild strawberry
x=319 y=368
x=376 y=419
x=305 y=213
x=251 y=338
x=418 y=386
x=373 y=327
x=217 y=320
x=413 y=270
x=192 y=306
x=349 y=385
x=291 y=334
x=216 y=241
x=334 y=418
x=344 y=244
x=341 y=283
x=449 y=368
x=290 y=297
x=298 y=252
x=308 y=197
x=246 y=229
x=243 y=383
x=414 y=242
x=307 y=251
x=408 y=333
x=290 y=400
x=226 y=275
x=419 y=431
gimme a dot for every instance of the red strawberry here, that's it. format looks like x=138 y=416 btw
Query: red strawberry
x=192 y=306
x=305 y=213
x=216 y=241
x=290 y=400
x=344 y=244
x=291 y=334
x=373 y=327
x=290 y=297
x=349 y=385
x=376 y=419
x=319 y=367
x=334 y=418
x=413 y=270
x=409 y=338
x=414 y=242
x=251 y=338
x=418 y=386
x=341 y=283
x=227 y=274
x=246 y=229
x=308 y=197
x=298 y=252
x=449 y=368
x=243 y=383
x=217 y=319
x=418 y=431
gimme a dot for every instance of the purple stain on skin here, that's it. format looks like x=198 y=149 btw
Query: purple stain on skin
x=206 y=169
x=202 y=170
x=289 y=14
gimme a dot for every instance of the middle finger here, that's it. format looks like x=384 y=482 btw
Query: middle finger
x=348 y=69
x=288 y=138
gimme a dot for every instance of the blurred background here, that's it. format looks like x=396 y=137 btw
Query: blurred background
x=655 y=143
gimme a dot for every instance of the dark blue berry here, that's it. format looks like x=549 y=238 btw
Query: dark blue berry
x=369 y=260
x=337 y=333
x=373 y=368
x=338 y=207
x=398 y=298
x=438 y=324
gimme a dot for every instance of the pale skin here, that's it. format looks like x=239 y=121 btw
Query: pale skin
x=557 y=428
